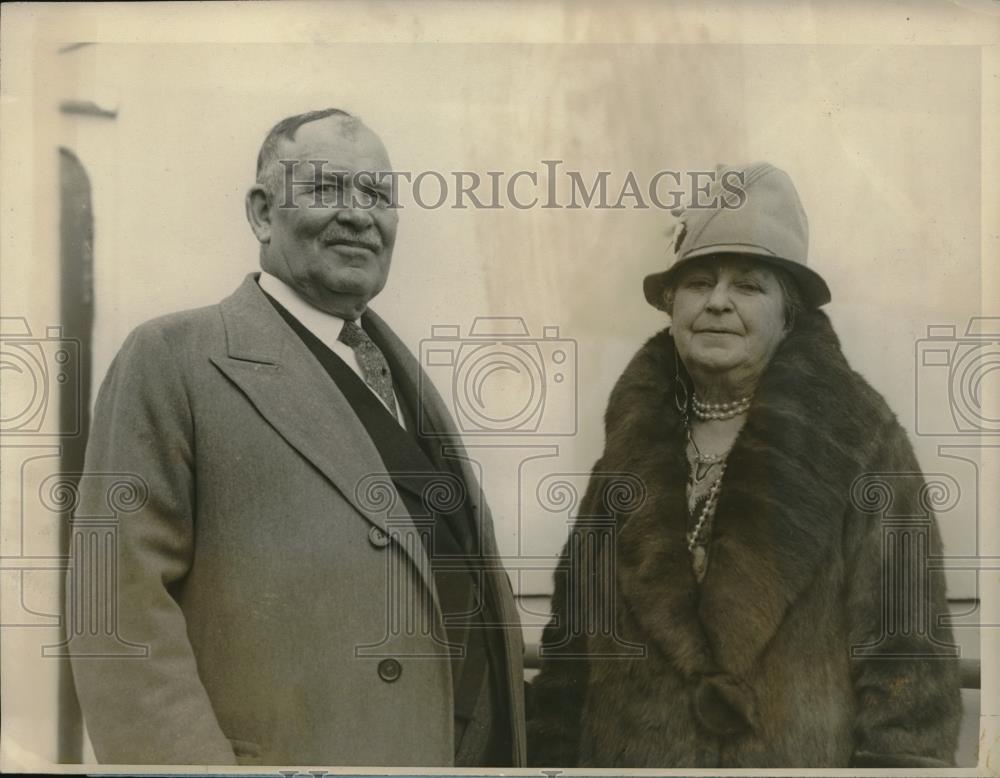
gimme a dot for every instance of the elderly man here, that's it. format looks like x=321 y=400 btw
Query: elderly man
x=306 y=593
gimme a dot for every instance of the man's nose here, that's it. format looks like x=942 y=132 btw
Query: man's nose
x=719 y=299
x=355 y=216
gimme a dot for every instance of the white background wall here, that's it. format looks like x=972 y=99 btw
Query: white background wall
x=881 y=129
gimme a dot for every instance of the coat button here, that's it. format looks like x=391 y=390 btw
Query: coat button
x=389 y=670
x=378 y=538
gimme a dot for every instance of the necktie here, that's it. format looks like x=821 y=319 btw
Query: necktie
x=372 y=361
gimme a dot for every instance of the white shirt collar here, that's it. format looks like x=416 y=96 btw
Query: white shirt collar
x=323 y=325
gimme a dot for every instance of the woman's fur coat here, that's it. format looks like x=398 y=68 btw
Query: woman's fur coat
x=814 y=639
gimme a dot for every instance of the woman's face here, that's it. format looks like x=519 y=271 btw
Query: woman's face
x=728 y=315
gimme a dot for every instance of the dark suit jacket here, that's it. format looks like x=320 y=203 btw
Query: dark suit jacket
x=271 y=570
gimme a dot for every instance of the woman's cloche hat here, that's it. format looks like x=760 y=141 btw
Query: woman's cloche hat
x=769 y=223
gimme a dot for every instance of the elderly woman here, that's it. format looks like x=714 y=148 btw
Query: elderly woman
x=752 y=605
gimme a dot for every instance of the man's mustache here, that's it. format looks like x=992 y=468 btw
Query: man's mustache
x=367 y=239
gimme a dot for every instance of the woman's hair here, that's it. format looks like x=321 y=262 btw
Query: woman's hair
x=794 y=302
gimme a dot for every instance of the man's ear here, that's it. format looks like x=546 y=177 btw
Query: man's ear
x=259 y=212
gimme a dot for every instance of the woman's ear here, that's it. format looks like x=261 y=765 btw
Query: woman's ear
x=668 y=301
x=259 y=212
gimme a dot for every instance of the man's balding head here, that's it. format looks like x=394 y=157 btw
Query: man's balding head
x=269 y=172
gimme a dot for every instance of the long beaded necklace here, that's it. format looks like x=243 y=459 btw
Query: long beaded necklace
x=701 y=465
x=697 y=537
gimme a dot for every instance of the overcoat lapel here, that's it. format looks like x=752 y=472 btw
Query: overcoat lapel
x=449 y=452
x=789 y=471
x=405 y=379
x=294 y=394
x=446 y=447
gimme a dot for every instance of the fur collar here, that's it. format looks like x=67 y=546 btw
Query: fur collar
x=812 y=427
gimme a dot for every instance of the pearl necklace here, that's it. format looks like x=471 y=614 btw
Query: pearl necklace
x=718 y=411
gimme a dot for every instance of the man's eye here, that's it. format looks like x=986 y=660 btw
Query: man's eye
x=698 y=283
x=328 y=194
x=748 y=286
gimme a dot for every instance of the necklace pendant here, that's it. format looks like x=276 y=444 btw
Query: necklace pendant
x=699 y=561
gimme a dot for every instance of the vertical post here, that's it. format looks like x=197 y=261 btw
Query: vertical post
x=76 y=237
